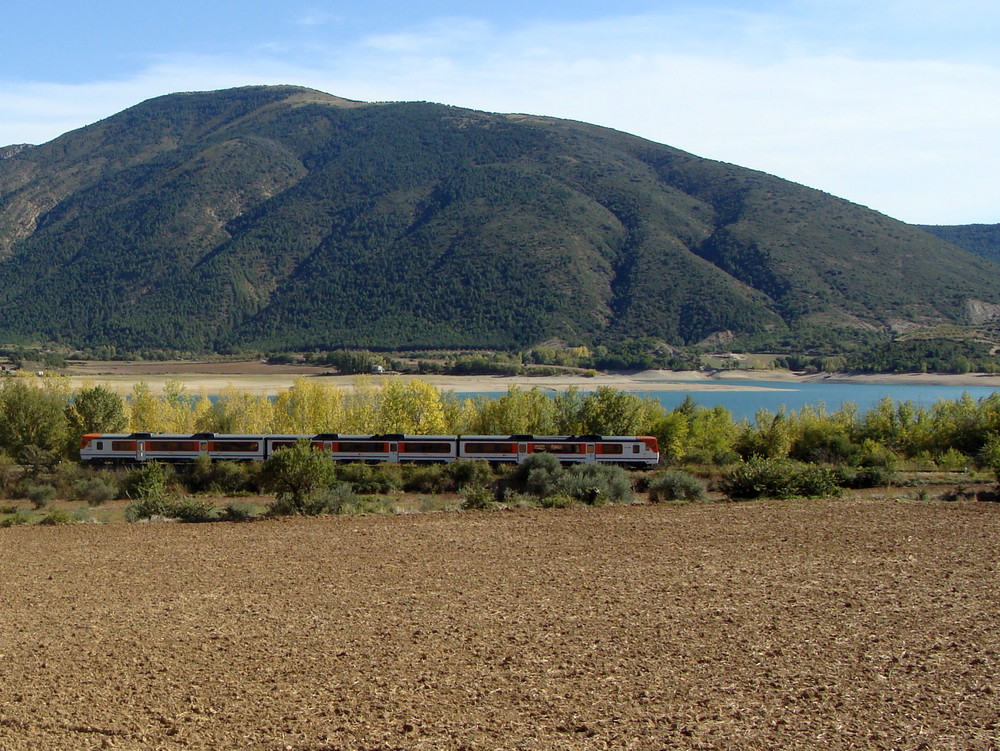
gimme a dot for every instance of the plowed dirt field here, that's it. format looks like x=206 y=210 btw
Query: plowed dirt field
x=767 y=625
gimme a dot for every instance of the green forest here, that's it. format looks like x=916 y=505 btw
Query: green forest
x=281 y=219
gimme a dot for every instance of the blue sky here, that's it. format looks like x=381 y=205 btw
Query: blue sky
x=894 y=104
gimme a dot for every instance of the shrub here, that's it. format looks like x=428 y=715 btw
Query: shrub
x=478 y=498
x=543 y=476
x=40 y=495
x=339 y=498
x=82 y=514
x=146 y=482
x=874 y=454
x=300 y=476
x=466 y=472
x=558 y=500
x=546 y=469
x=953 y=460
x=238 y=511
x=596 y=484
x=864 y=477
x=18 y=518
x=761 y=477
x=55 y=516
x=427 y=478
x=94 y=491
x=192 y=509
x=147 y=508
x=815 y=481
x=368 y=479
x=371 y=505
x=513 y=499
x=203 y=476
x=676 y=486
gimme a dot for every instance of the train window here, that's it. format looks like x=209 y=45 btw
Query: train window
x=356 y=447
x=557 y=448
x=610 y=448
x=489 y=448
x=123 y=445
x=171 y=445
x=413 y=447
x=100 y=445
x=224 y=446
x=635 y=449
x=275 y=445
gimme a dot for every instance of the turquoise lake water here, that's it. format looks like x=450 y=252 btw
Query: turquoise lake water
x=794 y=395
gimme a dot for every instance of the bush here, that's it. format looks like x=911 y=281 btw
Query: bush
x=761 y=477
x=546 y=469
x=371 y=505
x=146 y=482
x=466 y=472
x=17 y=519
x=192 y=509
x=953 y=460
x=427 y=478
x=206 y=476
x=56 y=516
x=814 y=481
x=238 y=511
x=300 y=476
x=40 y=495
x=558 y=500
x=596 y=484
x=864 y=477
x=478 y=498
x=147 y=508
x=675 y=486
x=94 y=491
x=543 y=476
x=369 y=479
x=513 y=499
x=339 y=498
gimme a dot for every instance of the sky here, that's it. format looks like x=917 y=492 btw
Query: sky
x=892 y=104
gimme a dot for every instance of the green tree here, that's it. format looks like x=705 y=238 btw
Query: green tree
x=93 y=410
x=31 y=415
x=297 y=473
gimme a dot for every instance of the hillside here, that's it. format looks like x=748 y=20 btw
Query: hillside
x=285 y=218
x=981 y=239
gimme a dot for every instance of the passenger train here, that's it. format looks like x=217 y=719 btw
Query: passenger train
x=107 y=448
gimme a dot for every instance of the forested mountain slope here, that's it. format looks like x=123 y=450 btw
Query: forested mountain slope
x=285 y=218
x=981 y=239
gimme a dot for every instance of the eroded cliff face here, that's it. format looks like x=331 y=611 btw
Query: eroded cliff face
x=981 y=312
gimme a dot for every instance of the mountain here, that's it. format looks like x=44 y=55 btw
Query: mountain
x=981 y=239
x=286 y=218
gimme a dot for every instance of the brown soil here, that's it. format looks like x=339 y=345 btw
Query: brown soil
x=794 y=625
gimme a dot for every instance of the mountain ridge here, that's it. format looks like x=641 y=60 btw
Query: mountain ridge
x=283 y=217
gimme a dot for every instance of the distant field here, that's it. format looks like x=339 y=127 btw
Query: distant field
x=257 y=377
x=795 y=625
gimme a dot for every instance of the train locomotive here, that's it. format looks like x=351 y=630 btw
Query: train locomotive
x=130 y=448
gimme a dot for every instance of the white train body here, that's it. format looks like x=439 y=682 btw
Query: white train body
x=114 y=448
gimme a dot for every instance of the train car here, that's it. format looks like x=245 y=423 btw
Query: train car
x=391 y=447
x=638 y=451
x=122 y=448
x=635 y=451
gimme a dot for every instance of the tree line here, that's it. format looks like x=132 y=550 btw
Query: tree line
x=43 y=418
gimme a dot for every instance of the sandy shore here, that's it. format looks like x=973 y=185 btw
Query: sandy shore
x=260 y=378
